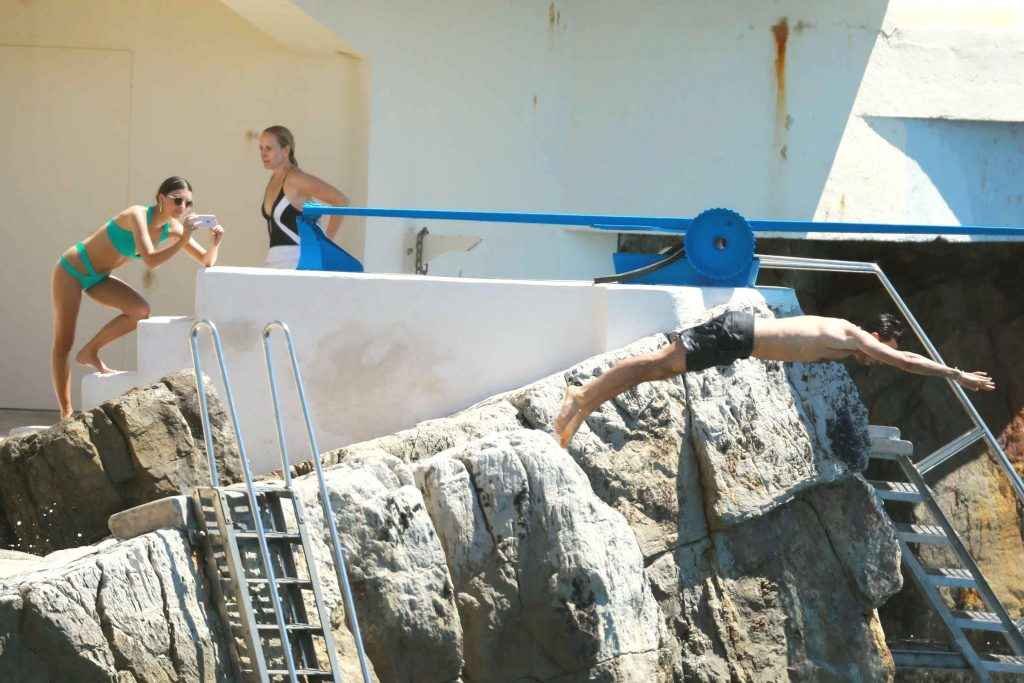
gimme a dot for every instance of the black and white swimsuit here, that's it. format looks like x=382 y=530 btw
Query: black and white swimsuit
x=283 y=229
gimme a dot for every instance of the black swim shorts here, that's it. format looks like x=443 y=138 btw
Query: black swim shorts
x=719 y=341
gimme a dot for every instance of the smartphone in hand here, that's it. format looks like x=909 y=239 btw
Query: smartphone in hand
x=204 y=220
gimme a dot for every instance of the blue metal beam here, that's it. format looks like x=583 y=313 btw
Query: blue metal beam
x=663 y=224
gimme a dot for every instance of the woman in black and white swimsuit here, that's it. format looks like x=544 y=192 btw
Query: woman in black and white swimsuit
x=288 y=189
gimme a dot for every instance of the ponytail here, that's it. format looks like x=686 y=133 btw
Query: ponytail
x=285 y=139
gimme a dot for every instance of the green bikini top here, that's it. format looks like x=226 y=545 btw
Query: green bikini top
x=124 y=240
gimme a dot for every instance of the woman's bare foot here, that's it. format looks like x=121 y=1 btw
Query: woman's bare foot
x=570 y=416
x=89 y=358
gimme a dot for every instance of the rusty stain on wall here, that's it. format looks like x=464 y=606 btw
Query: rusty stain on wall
x=554 y=16
x=780 y=31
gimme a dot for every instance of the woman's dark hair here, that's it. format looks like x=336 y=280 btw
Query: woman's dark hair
x=285 y=139
x=889 y=327
x=174 y=183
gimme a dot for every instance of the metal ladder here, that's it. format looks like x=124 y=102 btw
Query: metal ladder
x=259 y=556
x=914 y=485
x=886 y=445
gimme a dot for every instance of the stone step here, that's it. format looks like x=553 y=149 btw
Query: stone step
x=166 y=513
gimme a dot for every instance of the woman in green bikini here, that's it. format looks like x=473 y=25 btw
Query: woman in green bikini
x=153 y=234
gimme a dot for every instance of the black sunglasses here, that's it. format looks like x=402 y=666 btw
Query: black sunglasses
x=179 y=200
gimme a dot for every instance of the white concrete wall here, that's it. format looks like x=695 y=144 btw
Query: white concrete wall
x=380 y=353
x=103 y=100
x=598 y=106
x=671 y=108
x=936 y=131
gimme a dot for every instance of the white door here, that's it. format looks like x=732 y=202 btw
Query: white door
x=65 y=119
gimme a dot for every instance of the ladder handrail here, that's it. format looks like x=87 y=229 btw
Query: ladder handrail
x=261 y=533
x=340 y=566
x=834 y=265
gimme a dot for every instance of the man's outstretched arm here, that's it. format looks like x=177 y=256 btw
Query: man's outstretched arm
x=918 y=364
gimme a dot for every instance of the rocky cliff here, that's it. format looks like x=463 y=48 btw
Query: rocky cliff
x=59 y=487
x=710 y=527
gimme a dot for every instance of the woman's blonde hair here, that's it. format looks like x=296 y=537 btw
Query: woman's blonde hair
x=285 y=139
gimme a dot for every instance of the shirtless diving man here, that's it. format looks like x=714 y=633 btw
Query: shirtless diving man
x=735 y=335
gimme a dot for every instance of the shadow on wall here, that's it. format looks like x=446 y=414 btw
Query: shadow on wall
x=969 y=171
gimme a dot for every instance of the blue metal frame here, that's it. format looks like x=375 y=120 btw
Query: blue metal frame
x=722 y=256
x=666 y=224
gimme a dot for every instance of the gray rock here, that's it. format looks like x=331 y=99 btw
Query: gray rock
x=58 y=487
x=138 y=611
x=549 y=580
x=166 y=513
x=829 y=404
x=404 y=596
x=630 y=448
x=54 y=490
x=861 y=537
x=709 y=527
x=433 y=436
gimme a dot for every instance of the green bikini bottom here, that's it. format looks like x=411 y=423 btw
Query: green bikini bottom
x=90 y=278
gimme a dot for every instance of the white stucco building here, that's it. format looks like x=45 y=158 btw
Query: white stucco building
x=901 y=111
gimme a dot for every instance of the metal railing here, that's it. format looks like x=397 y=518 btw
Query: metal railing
x=261 y=533
x=340 y=566
x=980 y=431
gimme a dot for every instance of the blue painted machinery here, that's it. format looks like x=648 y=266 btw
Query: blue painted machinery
x=716 y=248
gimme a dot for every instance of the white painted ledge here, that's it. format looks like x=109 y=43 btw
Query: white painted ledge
x=381 y=352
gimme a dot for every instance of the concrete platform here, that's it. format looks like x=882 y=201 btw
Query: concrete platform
x=381 y=352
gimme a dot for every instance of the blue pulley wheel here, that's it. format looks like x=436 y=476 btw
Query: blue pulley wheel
x=719 y=244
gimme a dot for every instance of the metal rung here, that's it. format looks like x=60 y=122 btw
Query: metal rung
x=952 y=578
x=999 y=664
x=950 y=449
x=890 y=449
x=270 y=536
x=290 y=627
x=922 y=533
x=302 y=672
x=288 y=581
x=906 y=658
x=883 y=432
x=279 y=490
x=978 y=621
x=901 y=491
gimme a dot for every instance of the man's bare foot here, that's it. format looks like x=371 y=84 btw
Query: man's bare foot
x=570 y=416
x=90 y=358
